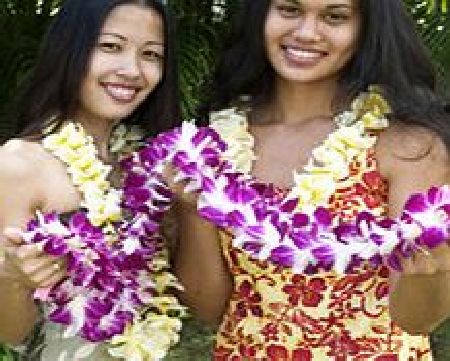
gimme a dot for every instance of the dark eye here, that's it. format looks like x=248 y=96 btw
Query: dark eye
x=288 y=11
x=109 y=46
x=152 y=55
x=335 y=18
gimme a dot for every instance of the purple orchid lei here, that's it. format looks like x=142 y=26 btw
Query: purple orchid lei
x=108 y=283
x=270 y=227
x=116 y=261
x=110 y=268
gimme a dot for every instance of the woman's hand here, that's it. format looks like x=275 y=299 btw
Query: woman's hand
x=428 y=261
x=420 y=295
x=186 y=200
x=27 y=265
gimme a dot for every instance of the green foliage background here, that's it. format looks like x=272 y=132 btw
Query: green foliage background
x=201 y=24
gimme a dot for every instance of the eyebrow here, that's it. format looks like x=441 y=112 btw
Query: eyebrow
x=333 y=6
x=339 y=6
x=124 y=38
x=295 y=2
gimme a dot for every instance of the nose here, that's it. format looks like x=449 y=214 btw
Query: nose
x=129 y=66
x=308 y=28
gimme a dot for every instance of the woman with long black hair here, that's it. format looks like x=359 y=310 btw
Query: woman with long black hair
x=290 y=67
x=104 y=64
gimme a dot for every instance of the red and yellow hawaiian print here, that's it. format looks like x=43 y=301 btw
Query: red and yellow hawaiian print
x=276 y=315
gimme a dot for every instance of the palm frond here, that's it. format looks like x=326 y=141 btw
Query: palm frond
x=433 y=23
x=200 y=25
x=24 y=22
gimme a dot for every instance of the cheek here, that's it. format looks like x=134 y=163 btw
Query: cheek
x=153 y=75
x=345 y=42
x=87 y=91
x=90 y=85
x=99 y=64
x=271 y=43
x=272 y=30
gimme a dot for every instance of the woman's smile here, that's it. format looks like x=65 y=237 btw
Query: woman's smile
x=302 y=57
x=121 y=93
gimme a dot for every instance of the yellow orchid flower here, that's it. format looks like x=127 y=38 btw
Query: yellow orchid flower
x=232 y=127
x=147 y=340
x=165 y=280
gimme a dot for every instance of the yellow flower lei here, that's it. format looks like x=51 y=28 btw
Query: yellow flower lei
x=89 y=174
x=329 y=162
x=150 y=338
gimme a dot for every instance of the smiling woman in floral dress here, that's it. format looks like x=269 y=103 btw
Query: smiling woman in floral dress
x=289 y=67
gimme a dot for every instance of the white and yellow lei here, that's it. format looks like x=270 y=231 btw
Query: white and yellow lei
x=151 y=334
x=329 y=162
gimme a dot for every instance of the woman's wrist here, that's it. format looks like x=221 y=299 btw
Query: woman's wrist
x=9 y=278
x=186 y=205
x=13 y=284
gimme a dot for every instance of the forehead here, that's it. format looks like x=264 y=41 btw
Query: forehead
x=134 y=20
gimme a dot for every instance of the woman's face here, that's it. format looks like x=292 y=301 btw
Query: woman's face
x=127 y=63
x=311 y=40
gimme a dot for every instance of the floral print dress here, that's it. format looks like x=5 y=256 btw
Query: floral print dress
x=275 y=314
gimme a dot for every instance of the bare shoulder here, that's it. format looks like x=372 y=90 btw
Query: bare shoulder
x=22 y=181
x=405 y=149
x=23 y=160
x=32 y=178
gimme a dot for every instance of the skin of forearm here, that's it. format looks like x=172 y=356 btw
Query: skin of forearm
x=18 y=313
x=419 y=303
x=200 y=267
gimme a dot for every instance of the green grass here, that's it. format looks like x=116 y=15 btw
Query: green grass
x=440 y=341
x=5 y=354
x=195 y=344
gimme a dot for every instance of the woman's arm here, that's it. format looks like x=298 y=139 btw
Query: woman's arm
x=22 y=267
x=200 y=266
x=420 y=294
x=198 y=260
x=18 y=311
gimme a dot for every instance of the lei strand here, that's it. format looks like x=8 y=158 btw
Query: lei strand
x=118 y=270
x=295 y=231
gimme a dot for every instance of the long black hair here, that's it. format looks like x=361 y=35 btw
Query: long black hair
x=52 y=91
x=390 y=54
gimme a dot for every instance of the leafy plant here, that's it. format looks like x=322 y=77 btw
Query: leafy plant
x=6 y=354
x=23 y=23
x=433 y=23
x=200 y=26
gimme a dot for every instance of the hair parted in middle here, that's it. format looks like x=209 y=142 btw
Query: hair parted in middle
x=390 y=53
x=53 y=88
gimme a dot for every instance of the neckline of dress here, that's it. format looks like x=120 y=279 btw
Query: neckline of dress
x=329 y=162
x=299 y=169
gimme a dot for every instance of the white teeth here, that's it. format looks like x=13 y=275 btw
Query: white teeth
x=304 y=54
x=121 y=93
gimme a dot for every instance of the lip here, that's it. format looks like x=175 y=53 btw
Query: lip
x=120 y=92
x=302 y=56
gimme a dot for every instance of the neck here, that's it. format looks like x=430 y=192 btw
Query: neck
x=100 y=130
x=296 y=102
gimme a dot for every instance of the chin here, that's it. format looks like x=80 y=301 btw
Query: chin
x=305 y=76
x=119 y=114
